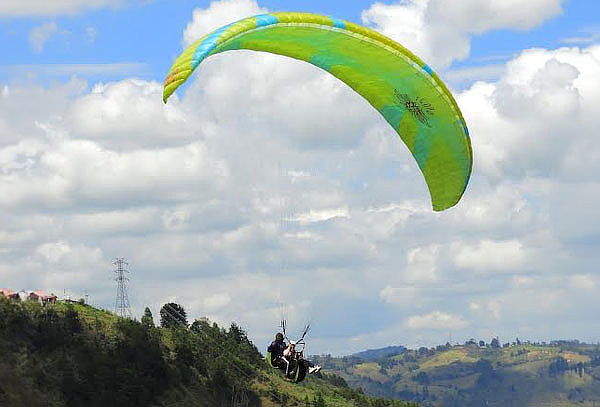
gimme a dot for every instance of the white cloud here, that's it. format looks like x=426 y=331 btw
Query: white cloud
x=112 y=222
x=73 y=172
x=436 y=320
x=217 y=14
x=543 y=298
x=486 y=308
x=421 y=264
x=522 y=281
x=42 y=105
x=543 y=96
x=115 y=113
x=403 y=296
x=440 y=31
x=321 y=215
x=176 y=219
x=41 y=34
x=53 y=252
x=474 y=306
x=216 y=301
x=492 y=256
x=583 y=281
x=55 y=265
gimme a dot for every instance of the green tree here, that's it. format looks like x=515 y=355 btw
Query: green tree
x=487 y=374
x=172 y=315
x=237 y=334
x=557 y=366
x=72 y=322
x=421 y=378
x=148 y=319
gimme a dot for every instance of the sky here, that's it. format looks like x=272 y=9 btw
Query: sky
x=268 y=188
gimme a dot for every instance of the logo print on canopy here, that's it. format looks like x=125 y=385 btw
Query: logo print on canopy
x=418 y=107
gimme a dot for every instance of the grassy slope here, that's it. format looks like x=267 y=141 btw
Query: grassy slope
x=32 y=372
x=458 y=376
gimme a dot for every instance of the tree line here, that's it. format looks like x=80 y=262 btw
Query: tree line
x=72 y=356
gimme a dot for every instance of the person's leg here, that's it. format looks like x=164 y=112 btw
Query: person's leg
x=287 y=365
x=278 y=363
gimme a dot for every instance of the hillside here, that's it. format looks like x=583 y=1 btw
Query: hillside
x=73 y=355
x=563 y=373
x=381 y=353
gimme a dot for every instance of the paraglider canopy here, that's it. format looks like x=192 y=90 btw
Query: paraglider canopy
x=401 y=87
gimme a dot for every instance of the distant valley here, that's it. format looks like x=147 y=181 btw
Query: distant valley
x=478 y=374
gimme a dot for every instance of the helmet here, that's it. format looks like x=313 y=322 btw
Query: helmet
x=279 y=336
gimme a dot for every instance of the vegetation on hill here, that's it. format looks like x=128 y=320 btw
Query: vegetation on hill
x=73 y=355
x=561 y=373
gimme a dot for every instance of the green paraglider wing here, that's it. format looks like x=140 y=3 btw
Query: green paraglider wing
x=407 y=93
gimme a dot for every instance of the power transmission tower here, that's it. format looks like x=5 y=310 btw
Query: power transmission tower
x=122 y=301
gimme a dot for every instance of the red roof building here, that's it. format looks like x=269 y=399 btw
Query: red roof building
x=41 y=296
x=6 y=292
x=37 y=295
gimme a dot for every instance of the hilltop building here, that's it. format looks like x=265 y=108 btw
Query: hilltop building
x=40 y=296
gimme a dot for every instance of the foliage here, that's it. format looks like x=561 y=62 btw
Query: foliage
x=172 y=315
x=147 y=319
x=66 y=356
